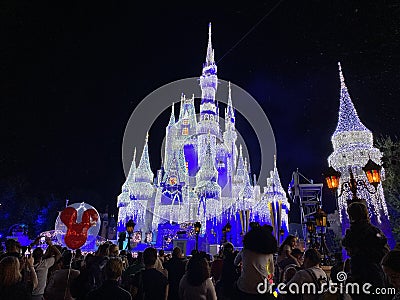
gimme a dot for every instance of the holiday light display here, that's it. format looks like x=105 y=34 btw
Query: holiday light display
x=353 y=147
x=203 y=177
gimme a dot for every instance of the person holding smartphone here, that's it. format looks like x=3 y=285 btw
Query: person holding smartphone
x=12 y=285
x=42 y=263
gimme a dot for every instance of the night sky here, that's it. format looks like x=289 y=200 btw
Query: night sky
x=72 y=75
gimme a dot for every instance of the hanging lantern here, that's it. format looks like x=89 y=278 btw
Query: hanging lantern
x=332 y=178
x=320 y=218
x=373 y=173
x=130 y=225
x=310 y=227
x=197 y=227
x=228 y=227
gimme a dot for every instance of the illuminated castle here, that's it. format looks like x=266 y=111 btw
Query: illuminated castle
x=204 y=176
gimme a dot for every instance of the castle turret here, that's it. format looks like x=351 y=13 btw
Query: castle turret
x=208 y=122
x=207 y=177
x=128 y=186
x=143 y=172
x=230 y=136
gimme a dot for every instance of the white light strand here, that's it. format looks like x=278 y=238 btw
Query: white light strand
x=353 y=147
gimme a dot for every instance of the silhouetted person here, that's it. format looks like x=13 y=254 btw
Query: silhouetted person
x=109 y=288
x=366 y=245
x=176 y=269
x=257 y=261
x=196 y=283
x=391 y=267
x=149 y=284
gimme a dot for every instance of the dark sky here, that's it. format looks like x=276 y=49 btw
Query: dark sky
x=72 y=74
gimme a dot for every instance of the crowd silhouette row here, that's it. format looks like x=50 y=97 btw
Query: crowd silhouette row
x=111 y=273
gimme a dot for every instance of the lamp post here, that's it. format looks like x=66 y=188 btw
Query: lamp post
x=227 y=228
x=281 y=234
x=372 y=171
x=311 y=230
x=130 y=225
x=197 y=228
x=321 y=222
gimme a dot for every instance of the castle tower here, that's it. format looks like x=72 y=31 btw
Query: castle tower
x=352 y=148
x=208 y=122
x=128 y=186
x=230 y=136
x=273 y=208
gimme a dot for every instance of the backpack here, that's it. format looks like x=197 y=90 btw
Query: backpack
x=136 y=286
x=325 y=295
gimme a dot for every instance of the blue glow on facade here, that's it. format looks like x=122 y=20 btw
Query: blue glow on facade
x=204 y=178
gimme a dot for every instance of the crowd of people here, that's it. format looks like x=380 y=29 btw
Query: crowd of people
x=111 y=273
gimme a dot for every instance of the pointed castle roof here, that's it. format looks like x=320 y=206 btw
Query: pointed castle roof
x=143 y=172
x=172 y=117
x=229 y=111
x=276 y=185
x=210 y=50
x=348 y=117
x=240 y=170
x=209 y=67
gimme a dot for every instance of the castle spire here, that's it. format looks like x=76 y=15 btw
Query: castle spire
x=229 y=95
x=210 y=50
x=133 y=165
x=181 y=108
x=144 y=172
x=130 y=179
x=172 y=117
x=230 y=114
x=348 y=117
x=342 y=84
x=240 y=170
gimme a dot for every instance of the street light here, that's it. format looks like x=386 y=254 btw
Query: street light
x=372 y=171
x=320 y=218
x=321 y=222
x=227 y=228
x=281 y=234
x=197 y=228
x=311 y=230
x=130 y=225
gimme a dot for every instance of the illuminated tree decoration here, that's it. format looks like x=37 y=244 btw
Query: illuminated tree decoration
x=353 y=148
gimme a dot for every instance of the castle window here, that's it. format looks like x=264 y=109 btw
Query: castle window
x=185 y=131
x=185 y=121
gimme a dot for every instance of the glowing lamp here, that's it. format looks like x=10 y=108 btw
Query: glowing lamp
x=320 y=218
x=332 y=178
x=373 y=173
x=228 y=227
x=130 y=225
x=197 y=227
x=310 y=226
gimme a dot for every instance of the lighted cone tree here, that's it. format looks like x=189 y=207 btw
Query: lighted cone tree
x=353 y=148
